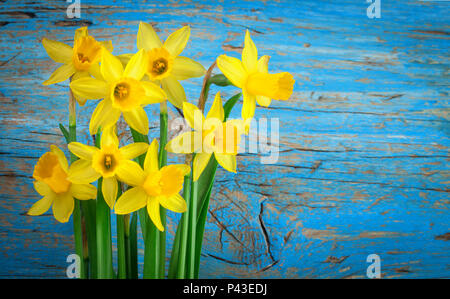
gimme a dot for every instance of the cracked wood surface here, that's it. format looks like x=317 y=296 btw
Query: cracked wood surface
x=364 y=140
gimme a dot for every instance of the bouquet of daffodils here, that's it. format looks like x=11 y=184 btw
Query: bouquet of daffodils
x=134 y=181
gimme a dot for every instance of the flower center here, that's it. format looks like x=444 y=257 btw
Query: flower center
x=127 y=94
x=159 y=66
x=121 y=91
x=50 y=172
x=83 y=58
x=86 y=51
x=159 y=63
x=106 y=160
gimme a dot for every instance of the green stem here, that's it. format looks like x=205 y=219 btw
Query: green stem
x=121 y=252
x=192 y=228
x=131 y=246
x=104 y=243
x=78 y=236
x=162 y=159
x=184 y=222
x=77 y=221
x=88 y=208
x=151 y=252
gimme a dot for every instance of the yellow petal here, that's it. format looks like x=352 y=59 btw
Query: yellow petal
x=109 y=137
x=90 y=88
x=185 y=169
x=63 y=207
x=130 y=173
x=109 y=190
x=199 y=164
x=110 y=67
x=263 y=64
x=94 y=70
x=136 y=66
x=147 y=38
x=176 y=42
x=249 y=54
x=175 y=203
x=193 y=116
x=263 y=101
x=226 y=161
x=107 y=45
x=83 y=191
x=60 y=74
x=61 y=157
x=57 y=51
x=81 y=32
x=133 y=150
x=174 y=90
x=82 y=151
x=183 y=144
x=104 y=115
x=130 y=201
x=153 y=212
x=154 y=94
x=228 y=137
x=78 y=75
x=233 y=69
x=42 y=188
x=41 y=206
x=81 y=172
x=216 y=110
x=185 y=68
x=248 y=106
x=151 y=158
x=137 y=119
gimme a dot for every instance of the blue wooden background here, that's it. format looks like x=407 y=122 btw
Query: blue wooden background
x=364 y=139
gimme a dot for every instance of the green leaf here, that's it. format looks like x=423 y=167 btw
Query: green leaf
x=132 y=248
x=220 y=80
x=104 y=242
x=64 y=132
x=177 y=265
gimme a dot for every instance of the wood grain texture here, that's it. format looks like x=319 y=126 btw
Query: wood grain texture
x=364 y=140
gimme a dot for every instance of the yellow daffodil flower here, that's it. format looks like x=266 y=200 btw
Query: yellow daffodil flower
x=164 y=65
x=109 y=162
x=51 y=182
x=121 y=91
x=154 y=187
x=252 y=76
x=78 y=62
x=210 y=135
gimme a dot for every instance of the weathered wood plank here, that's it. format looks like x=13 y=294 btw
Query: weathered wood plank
x=364 y=140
